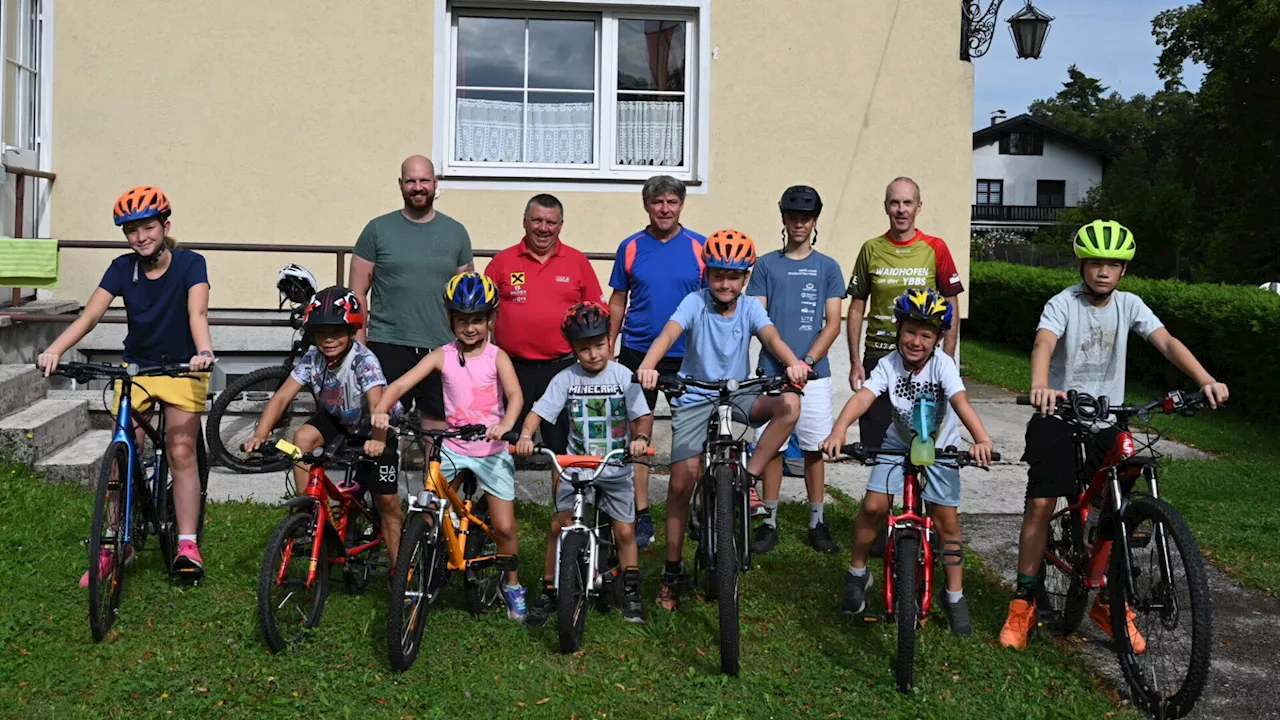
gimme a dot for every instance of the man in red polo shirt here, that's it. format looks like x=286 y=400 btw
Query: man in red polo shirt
x=538 y=279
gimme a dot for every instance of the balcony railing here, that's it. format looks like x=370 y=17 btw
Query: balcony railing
x=1015 y=213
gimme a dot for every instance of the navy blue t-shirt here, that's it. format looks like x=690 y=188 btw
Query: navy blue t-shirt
x=159 y=325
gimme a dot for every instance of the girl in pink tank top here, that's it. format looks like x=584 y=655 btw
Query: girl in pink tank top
x=473 y=395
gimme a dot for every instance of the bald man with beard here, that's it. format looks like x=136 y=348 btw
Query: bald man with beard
x=401 y=264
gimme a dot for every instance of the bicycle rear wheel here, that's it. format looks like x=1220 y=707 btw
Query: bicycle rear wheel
x=107 y=550
x=704 y=558
x=571 y=592
x=228 y=431
x=1170 y=605
x=288 y=606
x=906 y=606
x=726 y=570
x=1062 y=594
x=484 y=579
x=420 y=573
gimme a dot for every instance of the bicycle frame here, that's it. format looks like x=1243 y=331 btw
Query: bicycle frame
x=320 y=489
x=439 y=493
x=721 y=448
x=915 y=519
x=126 y=417
x=595 y=581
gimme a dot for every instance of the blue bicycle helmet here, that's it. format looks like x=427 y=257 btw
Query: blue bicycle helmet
x=470 y=292
x=925 y=305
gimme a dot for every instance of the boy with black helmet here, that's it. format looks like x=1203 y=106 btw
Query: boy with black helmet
x=606 y=411
x=347 y=381
x=1093 y=321
x=802 y=290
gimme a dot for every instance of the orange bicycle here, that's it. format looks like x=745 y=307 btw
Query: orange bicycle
x=447 y=532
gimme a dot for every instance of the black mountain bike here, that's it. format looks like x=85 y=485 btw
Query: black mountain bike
x=719 y=520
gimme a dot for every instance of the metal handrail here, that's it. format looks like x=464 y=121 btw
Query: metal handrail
x=20 y=202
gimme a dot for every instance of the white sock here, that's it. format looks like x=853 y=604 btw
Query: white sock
x=192 y=538
x=857 y=572
x=954 y=596
x=815 y=514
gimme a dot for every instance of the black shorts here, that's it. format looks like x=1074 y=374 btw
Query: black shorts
x=1053 y=459
x=874 y=423
x=669 y=365
x=396 y=360
x=534 y=376
x=378 y=475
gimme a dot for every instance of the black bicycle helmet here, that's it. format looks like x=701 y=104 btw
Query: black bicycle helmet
x=801 y=198
x=585 y=320
x=333 y=306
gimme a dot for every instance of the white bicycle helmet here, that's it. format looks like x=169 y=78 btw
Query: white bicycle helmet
x=296 y=283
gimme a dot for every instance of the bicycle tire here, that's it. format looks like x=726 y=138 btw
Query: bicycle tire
x=1062 y=597
x=571 y=593
x=300 y=528
x=704 y=560
x=414 y=582
x=359 y=570
x=906 y=607
x=726 y=571
x=607 y=569
x=224 y=441
x=166 y=515
x=484 y=584
x=1178 y=533
x=202 y=466
x=104 y=602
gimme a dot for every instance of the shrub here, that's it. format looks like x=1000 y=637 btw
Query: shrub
x=1233 y=330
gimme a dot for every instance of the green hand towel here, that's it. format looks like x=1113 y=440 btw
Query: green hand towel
x=28 y=262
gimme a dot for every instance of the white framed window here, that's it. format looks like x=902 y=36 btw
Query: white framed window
x=570 y=90
x=21 y=94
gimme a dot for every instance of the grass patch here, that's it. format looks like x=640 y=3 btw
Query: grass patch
x=1228 y=500
x=192 y=652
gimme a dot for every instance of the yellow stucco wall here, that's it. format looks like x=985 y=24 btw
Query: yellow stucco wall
x=285 y=122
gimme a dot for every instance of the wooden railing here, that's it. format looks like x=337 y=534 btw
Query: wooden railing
x=1015 y=213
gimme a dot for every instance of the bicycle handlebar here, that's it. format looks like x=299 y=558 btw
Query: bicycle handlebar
x=1083 y=407
x=866 y=455
x=340 y=453
x=567 y=462
x=677 y=385
x=89 y=371
x=463 y=432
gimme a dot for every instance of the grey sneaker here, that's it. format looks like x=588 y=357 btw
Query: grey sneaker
x=764 y=539
x=820 y=539
x=633 y=606
x=957 y=616
x=854 y=598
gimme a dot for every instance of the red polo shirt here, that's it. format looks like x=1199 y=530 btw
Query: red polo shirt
x=535 y=296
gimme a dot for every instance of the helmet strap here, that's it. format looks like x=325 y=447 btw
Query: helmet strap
x=153 y=258
x=1090 y=292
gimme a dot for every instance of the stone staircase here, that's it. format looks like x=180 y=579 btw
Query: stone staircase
x=52 y=434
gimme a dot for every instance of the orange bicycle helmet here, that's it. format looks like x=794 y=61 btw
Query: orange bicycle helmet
x=729 y=250
x=141 y=203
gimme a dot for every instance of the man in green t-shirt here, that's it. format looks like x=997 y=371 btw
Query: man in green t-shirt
x=886 y=266
x=407 y=257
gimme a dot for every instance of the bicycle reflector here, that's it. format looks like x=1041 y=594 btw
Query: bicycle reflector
x=289 y=449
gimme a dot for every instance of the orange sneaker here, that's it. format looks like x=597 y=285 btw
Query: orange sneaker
x=1100 y=614
x=1022 y=617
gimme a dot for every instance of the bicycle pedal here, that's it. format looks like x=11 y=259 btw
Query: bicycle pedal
x=872 y=618
x=1139 y=539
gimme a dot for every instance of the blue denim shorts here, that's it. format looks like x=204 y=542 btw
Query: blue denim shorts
x=942 y=486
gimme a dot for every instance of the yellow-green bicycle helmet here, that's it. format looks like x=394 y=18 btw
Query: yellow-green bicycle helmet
x=1104 y=240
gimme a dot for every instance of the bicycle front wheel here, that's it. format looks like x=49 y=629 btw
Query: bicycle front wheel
x=420 y=573
x=726 y=570
x=288 y=605
x=107 y=549
x=571 y=592
x=227 y=431
x=906 y=607
x=1163 y=635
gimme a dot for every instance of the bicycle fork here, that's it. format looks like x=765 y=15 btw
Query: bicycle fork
x=579 y=525
x=911 y=521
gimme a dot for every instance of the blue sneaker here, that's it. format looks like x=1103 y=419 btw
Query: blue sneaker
x=644 y=529
x=513 y=596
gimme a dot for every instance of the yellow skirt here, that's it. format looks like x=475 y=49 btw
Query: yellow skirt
x=184 y=393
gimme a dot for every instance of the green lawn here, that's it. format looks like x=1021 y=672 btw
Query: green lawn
x=1229 y=500
x=188 y=652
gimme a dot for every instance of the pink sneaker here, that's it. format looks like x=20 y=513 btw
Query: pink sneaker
x=188 y=560
x=757 y=506
x=105 y=562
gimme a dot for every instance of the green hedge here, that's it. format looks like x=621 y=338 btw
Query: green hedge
x=1233 y=330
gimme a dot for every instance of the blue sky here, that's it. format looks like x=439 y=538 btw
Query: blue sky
x=1107 y=39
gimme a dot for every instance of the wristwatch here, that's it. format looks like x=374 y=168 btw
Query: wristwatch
x=808 y=360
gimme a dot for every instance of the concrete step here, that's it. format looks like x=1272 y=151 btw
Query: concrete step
x=79 y=462
x=20 y=386
x=33 y=434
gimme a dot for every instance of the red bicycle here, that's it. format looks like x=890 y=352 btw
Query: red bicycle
x=1158 y=575
x=909 y=553
x=293 y=583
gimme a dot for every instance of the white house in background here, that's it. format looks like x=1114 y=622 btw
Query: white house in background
x=1025 y=170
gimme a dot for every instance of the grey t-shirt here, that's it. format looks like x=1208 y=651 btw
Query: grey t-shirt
x=796 y=294
x=1092 y=341
x=412 y=264
x=600 y=408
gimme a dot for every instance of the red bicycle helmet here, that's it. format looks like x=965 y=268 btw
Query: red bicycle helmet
x=333 y=306
x=585 y=320
x=141 y=203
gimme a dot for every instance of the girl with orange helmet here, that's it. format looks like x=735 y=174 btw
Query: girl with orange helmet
x=719 y=327
x=166 y=300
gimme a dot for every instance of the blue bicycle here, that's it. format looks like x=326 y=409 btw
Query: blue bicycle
x=134 y=497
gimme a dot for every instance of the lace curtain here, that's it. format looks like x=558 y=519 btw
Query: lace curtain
x=649 y=133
